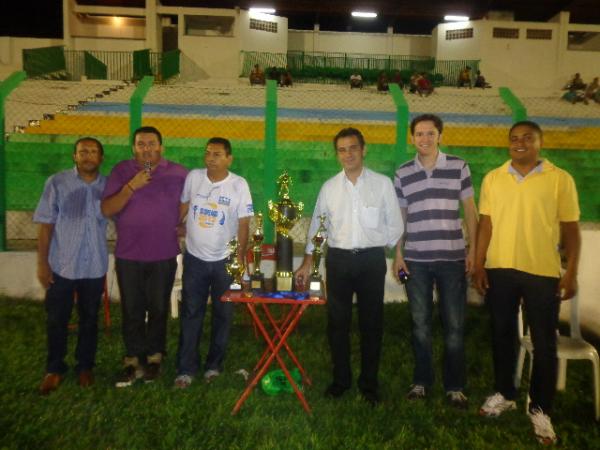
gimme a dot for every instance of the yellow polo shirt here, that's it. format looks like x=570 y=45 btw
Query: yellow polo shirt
x=526 y=217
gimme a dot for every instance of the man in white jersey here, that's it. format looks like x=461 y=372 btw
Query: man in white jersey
x=218 y=207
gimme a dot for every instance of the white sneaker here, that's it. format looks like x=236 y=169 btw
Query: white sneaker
x=210 y=375
x=183 y=381
x=495 y=405
x=542 y=427
x=417 y=392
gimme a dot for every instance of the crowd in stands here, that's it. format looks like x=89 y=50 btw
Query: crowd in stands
x=578 y=91
x=283 y=76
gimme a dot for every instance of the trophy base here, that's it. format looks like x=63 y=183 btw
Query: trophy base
x=315 y=288
x=257 y=282
x=235 y=287
x=284 y=281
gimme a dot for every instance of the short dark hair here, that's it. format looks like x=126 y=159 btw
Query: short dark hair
x=148 y=130
x=527 y=123
x=91 y=139
x=221 y=141
x=437 y=122
x=347 y=132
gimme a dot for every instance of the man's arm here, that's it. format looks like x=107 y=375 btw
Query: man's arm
x=470 y=213
x=399 y=262
x=44 y=272
x=484 y=235
x=115 y=203
x=571 y=241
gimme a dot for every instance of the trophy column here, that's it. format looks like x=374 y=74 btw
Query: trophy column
x=257 y=278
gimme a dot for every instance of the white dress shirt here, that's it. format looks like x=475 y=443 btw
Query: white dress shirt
x=361 y=215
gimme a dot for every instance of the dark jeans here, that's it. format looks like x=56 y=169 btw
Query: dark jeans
x=59 y=304
x=507 y=288
x=362 y=273
x=449 y=278
x=201 y=278
x=145 y=288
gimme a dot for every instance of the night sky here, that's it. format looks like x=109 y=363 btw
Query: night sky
x=42 y=18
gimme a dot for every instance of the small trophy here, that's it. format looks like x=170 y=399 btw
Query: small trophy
x=315 y=286
x=257 y=279
x=233 y=266
x=284 y=214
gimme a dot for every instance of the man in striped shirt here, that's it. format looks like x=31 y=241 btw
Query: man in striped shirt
x=72 y=258
x=430 y=190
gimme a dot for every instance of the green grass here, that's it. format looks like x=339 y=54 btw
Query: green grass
x=157 y=416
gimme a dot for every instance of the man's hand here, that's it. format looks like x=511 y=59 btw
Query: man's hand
x=567 y=286
x=44 y=274
x=470 y=261
x=140 y=179
x=479 y=280
x=302 y=273
x=398 y=264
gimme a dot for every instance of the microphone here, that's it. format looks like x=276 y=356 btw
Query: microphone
x=148 y=167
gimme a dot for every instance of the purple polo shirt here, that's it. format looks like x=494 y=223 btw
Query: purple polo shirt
x=146 y=226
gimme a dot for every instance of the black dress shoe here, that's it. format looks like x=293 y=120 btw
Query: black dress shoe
x=335 y=391
x=372 y=398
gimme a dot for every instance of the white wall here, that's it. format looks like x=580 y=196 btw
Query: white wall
x=263 y=41
x=108 y=45
x=457 y=48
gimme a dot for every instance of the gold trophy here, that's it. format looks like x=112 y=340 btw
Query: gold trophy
x=315 y=286
x=257 y=279
x=284 y=214
x=234 y=267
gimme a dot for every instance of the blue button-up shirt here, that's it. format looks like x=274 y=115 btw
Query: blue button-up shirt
x=78 y=246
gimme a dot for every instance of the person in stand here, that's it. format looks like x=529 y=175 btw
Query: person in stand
x=257 y=76
x=382 y=82
x=424 y=86
x=218 y=207
x=356 y=81
x=464 y=78
x=363 y=217
x=431 y=188
x=142 y=196
x=72 y=261
x=528 y=206
x=480 y=81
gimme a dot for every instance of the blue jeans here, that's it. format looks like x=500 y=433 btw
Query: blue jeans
x=449 y=278
x=199 y=279
x=59 y=304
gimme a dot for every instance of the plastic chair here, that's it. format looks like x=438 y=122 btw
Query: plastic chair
x=568 y=347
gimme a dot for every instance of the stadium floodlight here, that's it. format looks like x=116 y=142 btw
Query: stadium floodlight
x=364 y=14
x=452 y=18
x=262 y=10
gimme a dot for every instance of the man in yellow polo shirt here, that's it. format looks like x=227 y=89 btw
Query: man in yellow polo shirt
x=527 y=206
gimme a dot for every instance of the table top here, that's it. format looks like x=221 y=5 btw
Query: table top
x=242 y=297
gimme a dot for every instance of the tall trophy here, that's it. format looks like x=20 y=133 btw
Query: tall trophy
x=315 y=286
x=233 y=266
x=284 y=214
x=257 y=278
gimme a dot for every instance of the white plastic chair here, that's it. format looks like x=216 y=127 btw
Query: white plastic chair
x=568 y=347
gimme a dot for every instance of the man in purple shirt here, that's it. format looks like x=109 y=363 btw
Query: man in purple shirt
x=142 y=196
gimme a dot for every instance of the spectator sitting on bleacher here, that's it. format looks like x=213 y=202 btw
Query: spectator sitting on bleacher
x=257 y=76
x=412 y=84
x=382 y=82
x=397 y=78
x=575 y=83
x=464 y=78
x=424 y=86
x=480 y=81
x=574 y=96
x=356 y=81
x=273 y=74
x=591 y=92
x=285 y=78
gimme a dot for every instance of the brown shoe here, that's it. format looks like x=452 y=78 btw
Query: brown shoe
x=86 y=378
x=50 y=383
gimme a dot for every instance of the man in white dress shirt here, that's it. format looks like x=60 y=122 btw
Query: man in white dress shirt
x=363 y=217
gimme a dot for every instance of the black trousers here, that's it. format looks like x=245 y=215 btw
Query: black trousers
x=363 y=273
x=539 y=294
x=145 y=287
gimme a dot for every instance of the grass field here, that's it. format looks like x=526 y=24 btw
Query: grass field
x=157 y=416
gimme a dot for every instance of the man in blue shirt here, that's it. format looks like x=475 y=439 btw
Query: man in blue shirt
x=72 y=260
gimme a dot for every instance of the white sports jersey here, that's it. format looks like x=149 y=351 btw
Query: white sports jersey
x=214 y=213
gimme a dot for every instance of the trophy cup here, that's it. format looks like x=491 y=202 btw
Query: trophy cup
x=257 y=279
x=233 y=266
x=284 y=214
x=315 y=286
